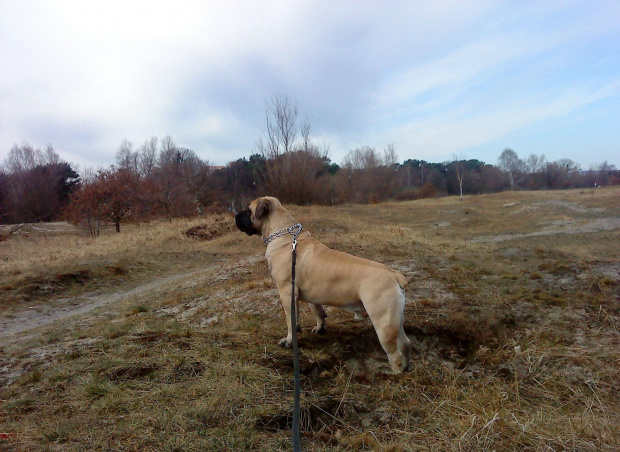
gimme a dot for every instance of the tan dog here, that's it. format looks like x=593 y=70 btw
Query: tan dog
x=328 y=277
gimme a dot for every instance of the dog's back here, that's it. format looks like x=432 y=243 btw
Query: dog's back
x=335 y=278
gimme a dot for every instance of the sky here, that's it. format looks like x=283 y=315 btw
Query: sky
x=437 y=79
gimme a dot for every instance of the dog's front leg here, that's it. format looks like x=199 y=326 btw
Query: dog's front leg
x=285 y=298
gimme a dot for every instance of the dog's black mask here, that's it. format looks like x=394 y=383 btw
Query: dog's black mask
x=244 y=223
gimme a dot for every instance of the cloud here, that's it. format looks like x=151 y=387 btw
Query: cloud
x=445 y=135
x=433 y=78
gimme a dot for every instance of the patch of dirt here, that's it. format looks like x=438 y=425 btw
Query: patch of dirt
x=131 y=372
x=444 y=348
x=254 y=294
x=184 y=371
x=211 y=230
x=318 y=415
x=611 y=271
x=553 y=205
x=422 y=286
x=558 y=227
x=12 y=367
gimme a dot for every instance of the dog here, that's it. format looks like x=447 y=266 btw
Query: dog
x=326 y=277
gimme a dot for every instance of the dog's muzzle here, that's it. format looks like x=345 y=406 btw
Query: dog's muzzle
x=244 y=223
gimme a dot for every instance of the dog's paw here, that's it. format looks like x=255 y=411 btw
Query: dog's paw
x=400 y=365
x=319 y=329
x=285 y=343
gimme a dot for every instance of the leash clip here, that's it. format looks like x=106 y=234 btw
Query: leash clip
x=297 y=226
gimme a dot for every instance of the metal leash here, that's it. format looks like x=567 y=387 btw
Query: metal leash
x=297 y=392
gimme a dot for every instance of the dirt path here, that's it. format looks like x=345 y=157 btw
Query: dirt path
x=560 y=227
x=45 y=314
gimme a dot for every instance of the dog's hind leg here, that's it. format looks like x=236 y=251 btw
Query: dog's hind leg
x=404 y=345
x=387 y=318
x=319 y=315
x=388 y=336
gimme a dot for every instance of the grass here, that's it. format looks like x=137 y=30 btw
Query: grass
x=516 y=341
x=38 y=264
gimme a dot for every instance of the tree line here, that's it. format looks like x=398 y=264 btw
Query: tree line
x=159 y=179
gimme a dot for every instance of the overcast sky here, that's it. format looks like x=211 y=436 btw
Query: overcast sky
x=436 y=79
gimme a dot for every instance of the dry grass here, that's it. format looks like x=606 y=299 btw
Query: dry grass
x=51 y=261
x=516 y=340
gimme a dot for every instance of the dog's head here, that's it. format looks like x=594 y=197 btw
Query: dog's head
x=251 y=219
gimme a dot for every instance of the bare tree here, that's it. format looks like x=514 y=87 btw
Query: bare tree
x=363 y=158
x=281 y=132
x=126 y=158
x=24 y=157
x=390 y=157
x=305 y=135
x=535 y=163
x=292 y=164
x=367 y=177
x=281 y=125
x=142 y=161
x=280 y=136
x=601 y=172
x=177 y=180
x=459 y=168
x=167 y=144
x=510 y=163
x=147 y=157
x=568 y=165
x=89 y=174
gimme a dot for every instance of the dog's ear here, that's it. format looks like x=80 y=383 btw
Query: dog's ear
x=262 y=208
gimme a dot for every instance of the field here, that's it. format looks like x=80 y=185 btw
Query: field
x=164 y=337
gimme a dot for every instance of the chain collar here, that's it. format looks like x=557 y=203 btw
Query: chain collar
x=294 y=230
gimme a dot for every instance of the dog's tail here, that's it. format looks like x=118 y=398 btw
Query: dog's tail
x=402 y=281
